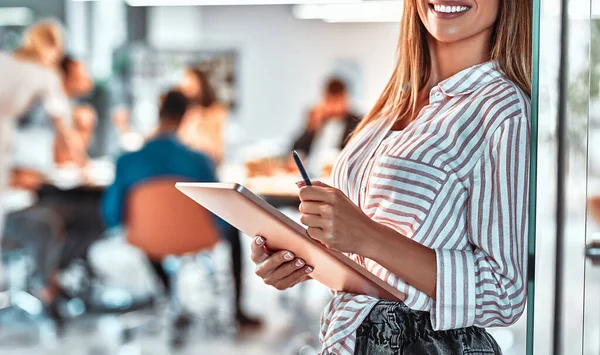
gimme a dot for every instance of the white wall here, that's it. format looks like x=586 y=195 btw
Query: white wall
x=174 y=27
x=284 y=61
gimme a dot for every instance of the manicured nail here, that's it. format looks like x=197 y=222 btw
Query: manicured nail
x=260 y=240
x=288 y=256
x=299 y=263
x=300 y=183
x=308 y=270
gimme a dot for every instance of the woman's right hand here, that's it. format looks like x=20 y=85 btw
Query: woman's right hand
x=281 y=269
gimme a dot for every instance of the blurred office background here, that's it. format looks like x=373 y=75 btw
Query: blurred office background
x=268 y=65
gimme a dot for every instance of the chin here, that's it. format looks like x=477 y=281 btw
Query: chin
x=449 y=36
x=450 y=21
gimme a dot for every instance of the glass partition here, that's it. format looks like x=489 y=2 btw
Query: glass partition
x=566 y=305
x=533 y=174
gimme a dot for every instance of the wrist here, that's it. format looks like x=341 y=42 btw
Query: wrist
x=371 y=239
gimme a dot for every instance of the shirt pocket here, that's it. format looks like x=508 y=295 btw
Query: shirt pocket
x=401 y=192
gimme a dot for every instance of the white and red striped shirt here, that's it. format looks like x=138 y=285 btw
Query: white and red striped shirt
x=456 y=181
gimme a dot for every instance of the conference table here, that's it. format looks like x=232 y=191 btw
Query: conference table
x=63 y=180
x=96 y=175
x=279 y=190
x=69 y=183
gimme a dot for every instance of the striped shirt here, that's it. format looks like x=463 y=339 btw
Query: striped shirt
x=454 y=180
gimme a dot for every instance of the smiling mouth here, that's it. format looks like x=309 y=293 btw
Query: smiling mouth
x=449 y=9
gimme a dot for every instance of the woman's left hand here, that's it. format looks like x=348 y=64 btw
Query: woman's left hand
x=333 y=219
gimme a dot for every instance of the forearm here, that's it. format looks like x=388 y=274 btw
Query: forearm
x=499 y=297
x=409 y=260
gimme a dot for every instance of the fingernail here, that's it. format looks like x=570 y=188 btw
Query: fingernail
x=300 y=183
x=259 y=240
x=308 y=270
x=299 y=263
x=288 y=256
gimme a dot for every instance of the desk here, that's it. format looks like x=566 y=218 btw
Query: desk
x=278 y=190
x=93 y=179
x=97 y=175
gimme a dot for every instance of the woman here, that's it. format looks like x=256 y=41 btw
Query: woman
x=30 y=74
x=432 y=192
x=202 y=129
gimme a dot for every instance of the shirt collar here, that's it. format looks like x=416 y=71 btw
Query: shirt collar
x=470 y=79
x=161 y=136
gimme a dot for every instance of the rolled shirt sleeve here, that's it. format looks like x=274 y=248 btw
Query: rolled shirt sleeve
x=485 y=285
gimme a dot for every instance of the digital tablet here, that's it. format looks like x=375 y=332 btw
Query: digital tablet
x=252 y=215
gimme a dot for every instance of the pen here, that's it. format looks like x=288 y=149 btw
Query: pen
x=301 y=168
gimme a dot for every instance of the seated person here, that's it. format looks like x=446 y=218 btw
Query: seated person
x=165 y=156
x=84 y=125
x=77 y=82
x=329 y=125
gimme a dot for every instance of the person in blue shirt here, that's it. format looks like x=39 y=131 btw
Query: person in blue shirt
x=164 y=155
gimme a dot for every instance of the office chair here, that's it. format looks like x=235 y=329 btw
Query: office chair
x=172 y=229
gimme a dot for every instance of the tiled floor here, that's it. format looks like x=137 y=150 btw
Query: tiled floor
x=289 y=324
x=291 y=320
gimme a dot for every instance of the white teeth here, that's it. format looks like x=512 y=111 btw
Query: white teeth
x=449 y=9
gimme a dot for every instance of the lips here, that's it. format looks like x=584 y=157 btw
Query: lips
x=449 y=8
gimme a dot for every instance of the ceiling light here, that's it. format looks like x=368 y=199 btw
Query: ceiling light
x=368 y=11
x=16 y=16
x=231 y=2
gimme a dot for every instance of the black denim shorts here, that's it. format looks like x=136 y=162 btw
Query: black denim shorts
x=394 y=329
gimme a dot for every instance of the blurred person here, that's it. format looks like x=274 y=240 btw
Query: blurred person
x=431 y=193
x=84 y=124
x=40 y=231
x=31 y=155
x=129 y=140
x=29 y=74
x=166 y=156
x=76 y=82
x=202 y=131
x=202 y=128
x=121 y=120
x=329 y=126
x=76 y=214
x=84 y=121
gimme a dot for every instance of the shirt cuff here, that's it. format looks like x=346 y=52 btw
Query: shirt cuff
x=455 y=303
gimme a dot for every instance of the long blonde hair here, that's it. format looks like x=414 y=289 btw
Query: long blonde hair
x=39 y=38
x=511 y=49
